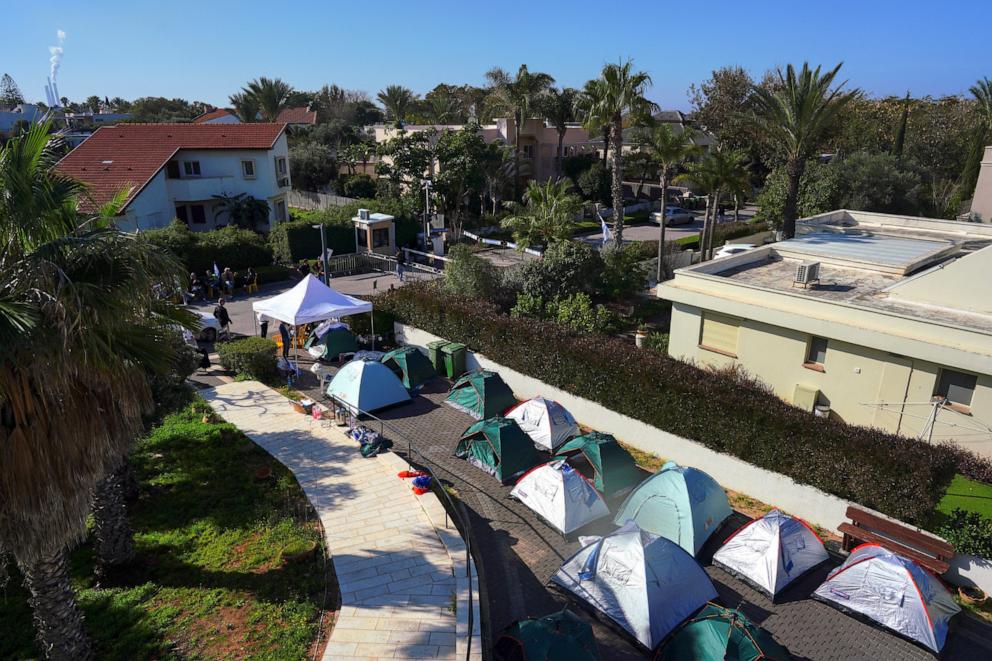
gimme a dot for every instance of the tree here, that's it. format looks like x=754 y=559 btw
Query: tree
x=312 y=165
x=669 y=151
x=794 y=116
x=982 y=91
x=558 y=106
x=245 y=106
x=78 y=321
x=718 y=104
x=397 y=100
x=270 y=96
x=498 y=174
x=155 y=109
x=593 y=96
x=818 y=192
x=359 y=186
x=620 y=94
x=546 y=215
x=876 y=182
x=10 y=93
x=518 y=96
x=720 y=171
x=595 y=184
x=469 y=276
x=406 y=160
x=92 y=103
x=460 y=175
x=900 y=141
x=242 y=210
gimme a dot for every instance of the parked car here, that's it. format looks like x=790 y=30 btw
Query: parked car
x=733 y=249
x=674 y=216
x=209 y=326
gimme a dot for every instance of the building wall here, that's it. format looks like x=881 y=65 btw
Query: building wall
x=220 y=173
x=982 y=201
x=855 y=382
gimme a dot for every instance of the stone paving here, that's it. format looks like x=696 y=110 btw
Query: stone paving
x=517 y=553
x=395 y=573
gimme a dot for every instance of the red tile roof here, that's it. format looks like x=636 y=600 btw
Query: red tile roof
x=298 y=116
x=129 y=155
x=216 y=113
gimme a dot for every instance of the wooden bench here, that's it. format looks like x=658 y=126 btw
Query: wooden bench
x=918 y=545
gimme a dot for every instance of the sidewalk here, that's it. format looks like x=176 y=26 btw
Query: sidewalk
x=396 y=577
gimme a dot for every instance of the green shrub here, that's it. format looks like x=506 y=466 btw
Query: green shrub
x=624 y=272
x=470 y=276
x=968 y=532
x=251 y=357
x=528 y=306
x=567 y=267
x=577 y=313
x=228 y=247
x=359 y=185
x=726 y=411
x=657 y=342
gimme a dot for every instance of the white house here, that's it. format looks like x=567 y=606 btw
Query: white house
x=174 y=170
x=26 y=113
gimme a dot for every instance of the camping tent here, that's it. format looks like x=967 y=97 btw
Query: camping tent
x=614 y=471
x=481 y=394
x=683 y=504
x=366 y=385
x=644 y=583
x=893 y=591
x=561 y=496
x=545 y=421
x=309 y=301
x=771 y=552
x=718 y=633
x=497 y=446
x=561 y=636
x=335 y=341
x=410 y=365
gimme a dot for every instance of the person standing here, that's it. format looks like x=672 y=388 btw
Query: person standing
x=286 y=340
x=401 y=264
x=224 y=318
x=263 y=325
x=227 y=280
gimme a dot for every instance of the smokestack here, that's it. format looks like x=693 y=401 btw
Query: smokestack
x=48 y=94
x=55 y=93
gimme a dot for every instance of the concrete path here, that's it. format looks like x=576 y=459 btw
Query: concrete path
x=396 y=577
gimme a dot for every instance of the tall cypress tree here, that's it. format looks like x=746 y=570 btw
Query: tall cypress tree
x=10 y=94
x=901 y=131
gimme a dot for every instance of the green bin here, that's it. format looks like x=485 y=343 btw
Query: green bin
x=434 y=353
x=454 y=359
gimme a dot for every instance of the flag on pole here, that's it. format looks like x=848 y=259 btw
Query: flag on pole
x=216 y=271
x=607 y=234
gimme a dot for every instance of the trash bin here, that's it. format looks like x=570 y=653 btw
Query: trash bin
x=454 y=359
x=434 y=352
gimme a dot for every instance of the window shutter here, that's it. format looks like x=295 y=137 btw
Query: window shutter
x=719 y=333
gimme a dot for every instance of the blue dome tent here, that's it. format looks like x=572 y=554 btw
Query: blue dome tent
x=367 y=385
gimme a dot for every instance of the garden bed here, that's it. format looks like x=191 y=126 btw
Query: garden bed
x=210 y=579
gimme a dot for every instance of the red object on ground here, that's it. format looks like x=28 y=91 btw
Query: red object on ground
x=419 y=491
x=409 y=474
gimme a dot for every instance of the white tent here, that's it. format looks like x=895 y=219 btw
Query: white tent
x=309 y=301
x=771 y=552
x=645 y=583
x=561 y=496
x=547 y=422
x=893 y=591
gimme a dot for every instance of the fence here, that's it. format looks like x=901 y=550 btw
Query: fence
x=368 y=262
x=311 y=201
x=497 y=243
x=416 y=458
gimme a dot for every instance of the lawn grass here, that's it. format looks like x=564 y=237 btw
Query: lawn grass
x=968 y=495
x=209 y=580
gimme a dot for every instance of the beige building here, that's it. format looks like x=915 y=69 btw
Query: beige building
x=981 y=203
x=873 y=319
x=538 y=140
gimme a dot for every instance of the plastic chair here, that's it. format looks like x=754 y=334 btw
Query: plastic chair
x=252 y=286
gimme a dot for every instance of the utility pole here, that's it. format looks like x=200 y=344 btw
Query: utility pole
x=323 y=250
x=427 y=215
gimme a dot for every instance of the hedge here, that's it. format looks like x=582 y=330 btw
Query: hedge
x=251 y=357
x=726 y=411
x=228 y=247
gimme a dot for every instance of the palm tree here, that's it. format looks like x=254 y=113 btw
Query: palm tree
x=397 y=100
x=78 y=319
x=517 y=96
x=669 y=151
x=444 y=110
x=592 y=96
x=242 y=209
x=271 y=96
x=498 y=173
x=559 y=108
x=245 y=106
x=620 y=94
x=794 y=115
x=982 y=91
x=547 y=213
x=720 y=171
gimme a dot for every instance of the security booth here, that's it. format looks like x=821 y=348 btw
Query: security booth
x=375 y=232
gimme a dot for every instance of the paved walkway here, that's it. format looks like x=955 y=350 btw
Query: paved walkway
x=396 y=577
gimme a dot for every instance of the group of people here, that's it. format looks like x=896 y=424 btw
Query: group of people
x=202 y=286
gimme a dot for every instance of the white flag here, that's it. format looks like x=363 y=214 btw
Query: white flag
x=216 y=271
x=607 y=234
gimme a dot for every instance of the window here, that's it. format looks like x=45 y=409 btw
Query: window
x=181 y=213
x=380 y=237
x=172 y=170
x=198 y=214
x=816 y=353
x=191 y=168
x=248 y=169
x=719 y=334
x=957 y=387
x=281 y=166
x=528 y=151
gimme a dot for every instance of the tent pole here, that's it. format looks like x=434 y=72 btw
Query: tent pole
x=372 y=323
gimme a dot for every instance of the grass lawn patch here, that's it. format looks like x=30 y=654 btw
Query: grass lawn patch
x=211 y=579
x=968 y=495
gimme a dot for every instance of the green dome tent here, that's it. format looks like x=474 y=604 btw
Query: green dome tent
x=499 y=447
x=481 y=394
x=410 y=365
x=614 y=470
x=718 y=633
x=561 y=636
x=336 y=341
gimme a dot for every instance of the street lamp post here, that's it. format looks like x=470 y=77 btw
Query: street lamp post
x=323 y=250
x=427 y=215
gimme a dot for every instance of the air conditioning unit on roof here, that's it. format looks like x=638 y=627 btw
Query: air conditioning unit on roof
x=363 y=214
x=807 y=273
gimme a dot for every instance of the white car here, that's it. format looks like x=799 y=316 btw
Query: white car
x=674 y=216
x=733 y=249
x=209 y=326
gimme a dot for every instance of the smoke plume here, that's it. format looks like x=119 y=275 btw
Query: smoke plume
x=56 y=52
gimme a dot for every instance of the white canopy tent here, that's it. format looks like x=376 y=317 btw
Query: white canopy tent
x=311 y=301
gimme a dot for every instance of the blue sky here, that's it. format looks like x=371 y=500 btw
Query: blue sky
x=207 y=49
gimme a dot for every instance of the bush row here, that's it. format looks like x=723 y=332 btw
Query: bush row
x=230 y=246
x=726 y=411
x=251 y=357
